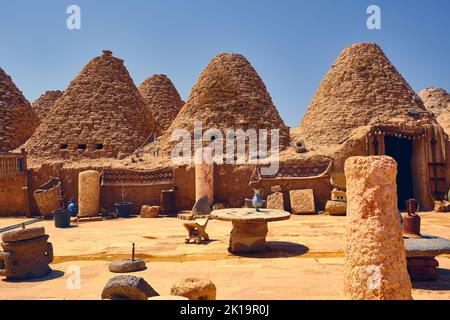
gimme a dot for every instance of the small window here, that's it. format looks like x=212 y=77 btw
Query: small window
x=99 y=146
x=81 y=147
x=64 y=146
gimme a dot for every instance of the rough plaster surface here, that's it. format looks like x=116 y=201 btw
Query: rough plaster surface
x=375 y=258
x=302 y=201
x=275 y=201
x=88 y=193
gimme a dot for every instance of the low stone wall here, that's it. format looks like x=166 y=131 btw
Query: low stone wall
x=230 y=187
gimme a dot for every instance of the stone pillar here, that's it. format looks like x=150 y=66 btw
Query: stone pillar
x=248 y=237
x=204 y=178
x=375 y=258
x=88 y=193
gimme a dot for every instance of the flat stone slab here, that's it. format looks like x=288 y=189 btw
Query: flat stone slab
x=302 y=201
x=428 y=246
x=250 y=215
x=23 y=234
x=127 y=265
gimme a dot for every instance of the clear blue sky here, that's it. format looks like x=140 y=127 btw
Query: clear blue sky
x=292 y=44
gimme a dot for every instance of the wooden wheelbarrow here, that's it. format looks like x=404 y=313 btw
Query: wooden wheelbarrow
x=197 y=230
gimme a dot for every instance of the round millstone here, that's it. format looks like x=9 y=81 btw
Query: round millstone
x=128 y=265
x=23 y=234
x=128 y=288
x=427 y=246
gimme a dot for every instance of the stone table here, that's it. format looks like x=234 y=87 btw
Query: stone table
x=421 y=253
x=249 y=227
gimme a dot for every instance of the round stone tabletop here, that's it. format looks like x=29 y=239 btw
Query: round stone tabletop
x=250 y=215
x=428 y=246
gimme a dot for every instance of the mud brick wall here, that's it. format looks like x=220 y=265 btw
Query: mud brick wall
x=12 y=196
x=230 y=187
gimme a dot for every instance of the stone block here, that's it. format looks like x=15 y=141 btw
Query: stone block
x=128 y=288
x=150 y=211
x=336 y=208
x=194 y=289
x=276 y=188
x=275 y=201
x=201 y=207
x=338 y=195
x=302 y=201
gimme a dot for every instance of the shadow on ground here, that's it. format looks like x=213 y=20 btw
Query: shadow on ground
x=278 y=249
x=441 y=284
x=55 y=274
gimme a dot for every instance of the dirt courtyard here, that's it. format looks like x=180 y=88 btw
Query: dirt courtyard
x=304 y=260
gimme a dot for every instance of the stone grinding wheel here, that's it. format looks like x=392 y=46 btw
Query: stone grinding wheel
x=128 y=288
x=127 y=265
x=23 y=234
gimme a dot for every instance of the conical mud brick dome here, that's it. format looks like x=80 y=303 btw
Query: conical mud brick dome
x=44 y=103
x=437 y=101
x=100 y=114
x=362 y=87
x=17 y=119
x=163 y=100
x=229 y=94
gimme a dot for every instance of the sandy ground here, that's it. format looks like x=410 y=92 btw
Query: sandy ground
x=304 y=260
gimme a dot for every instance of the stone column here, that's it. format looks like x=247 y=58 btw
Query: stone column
x=248 y=237
x=204 y=177
x=88 y=193
x=375 y=258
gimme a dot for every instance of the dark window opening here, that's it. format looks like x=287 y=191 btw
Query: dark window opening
x=64 y=146
x=82 y=147
x=99 y=147
x=402 y=151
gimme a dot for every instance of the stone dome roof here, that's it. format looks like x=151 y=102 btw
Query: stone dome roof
x=17 y=119
x=229 y=94
x=361 y=88
x=45 y=102
x=163 y=100
x=101 y=114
